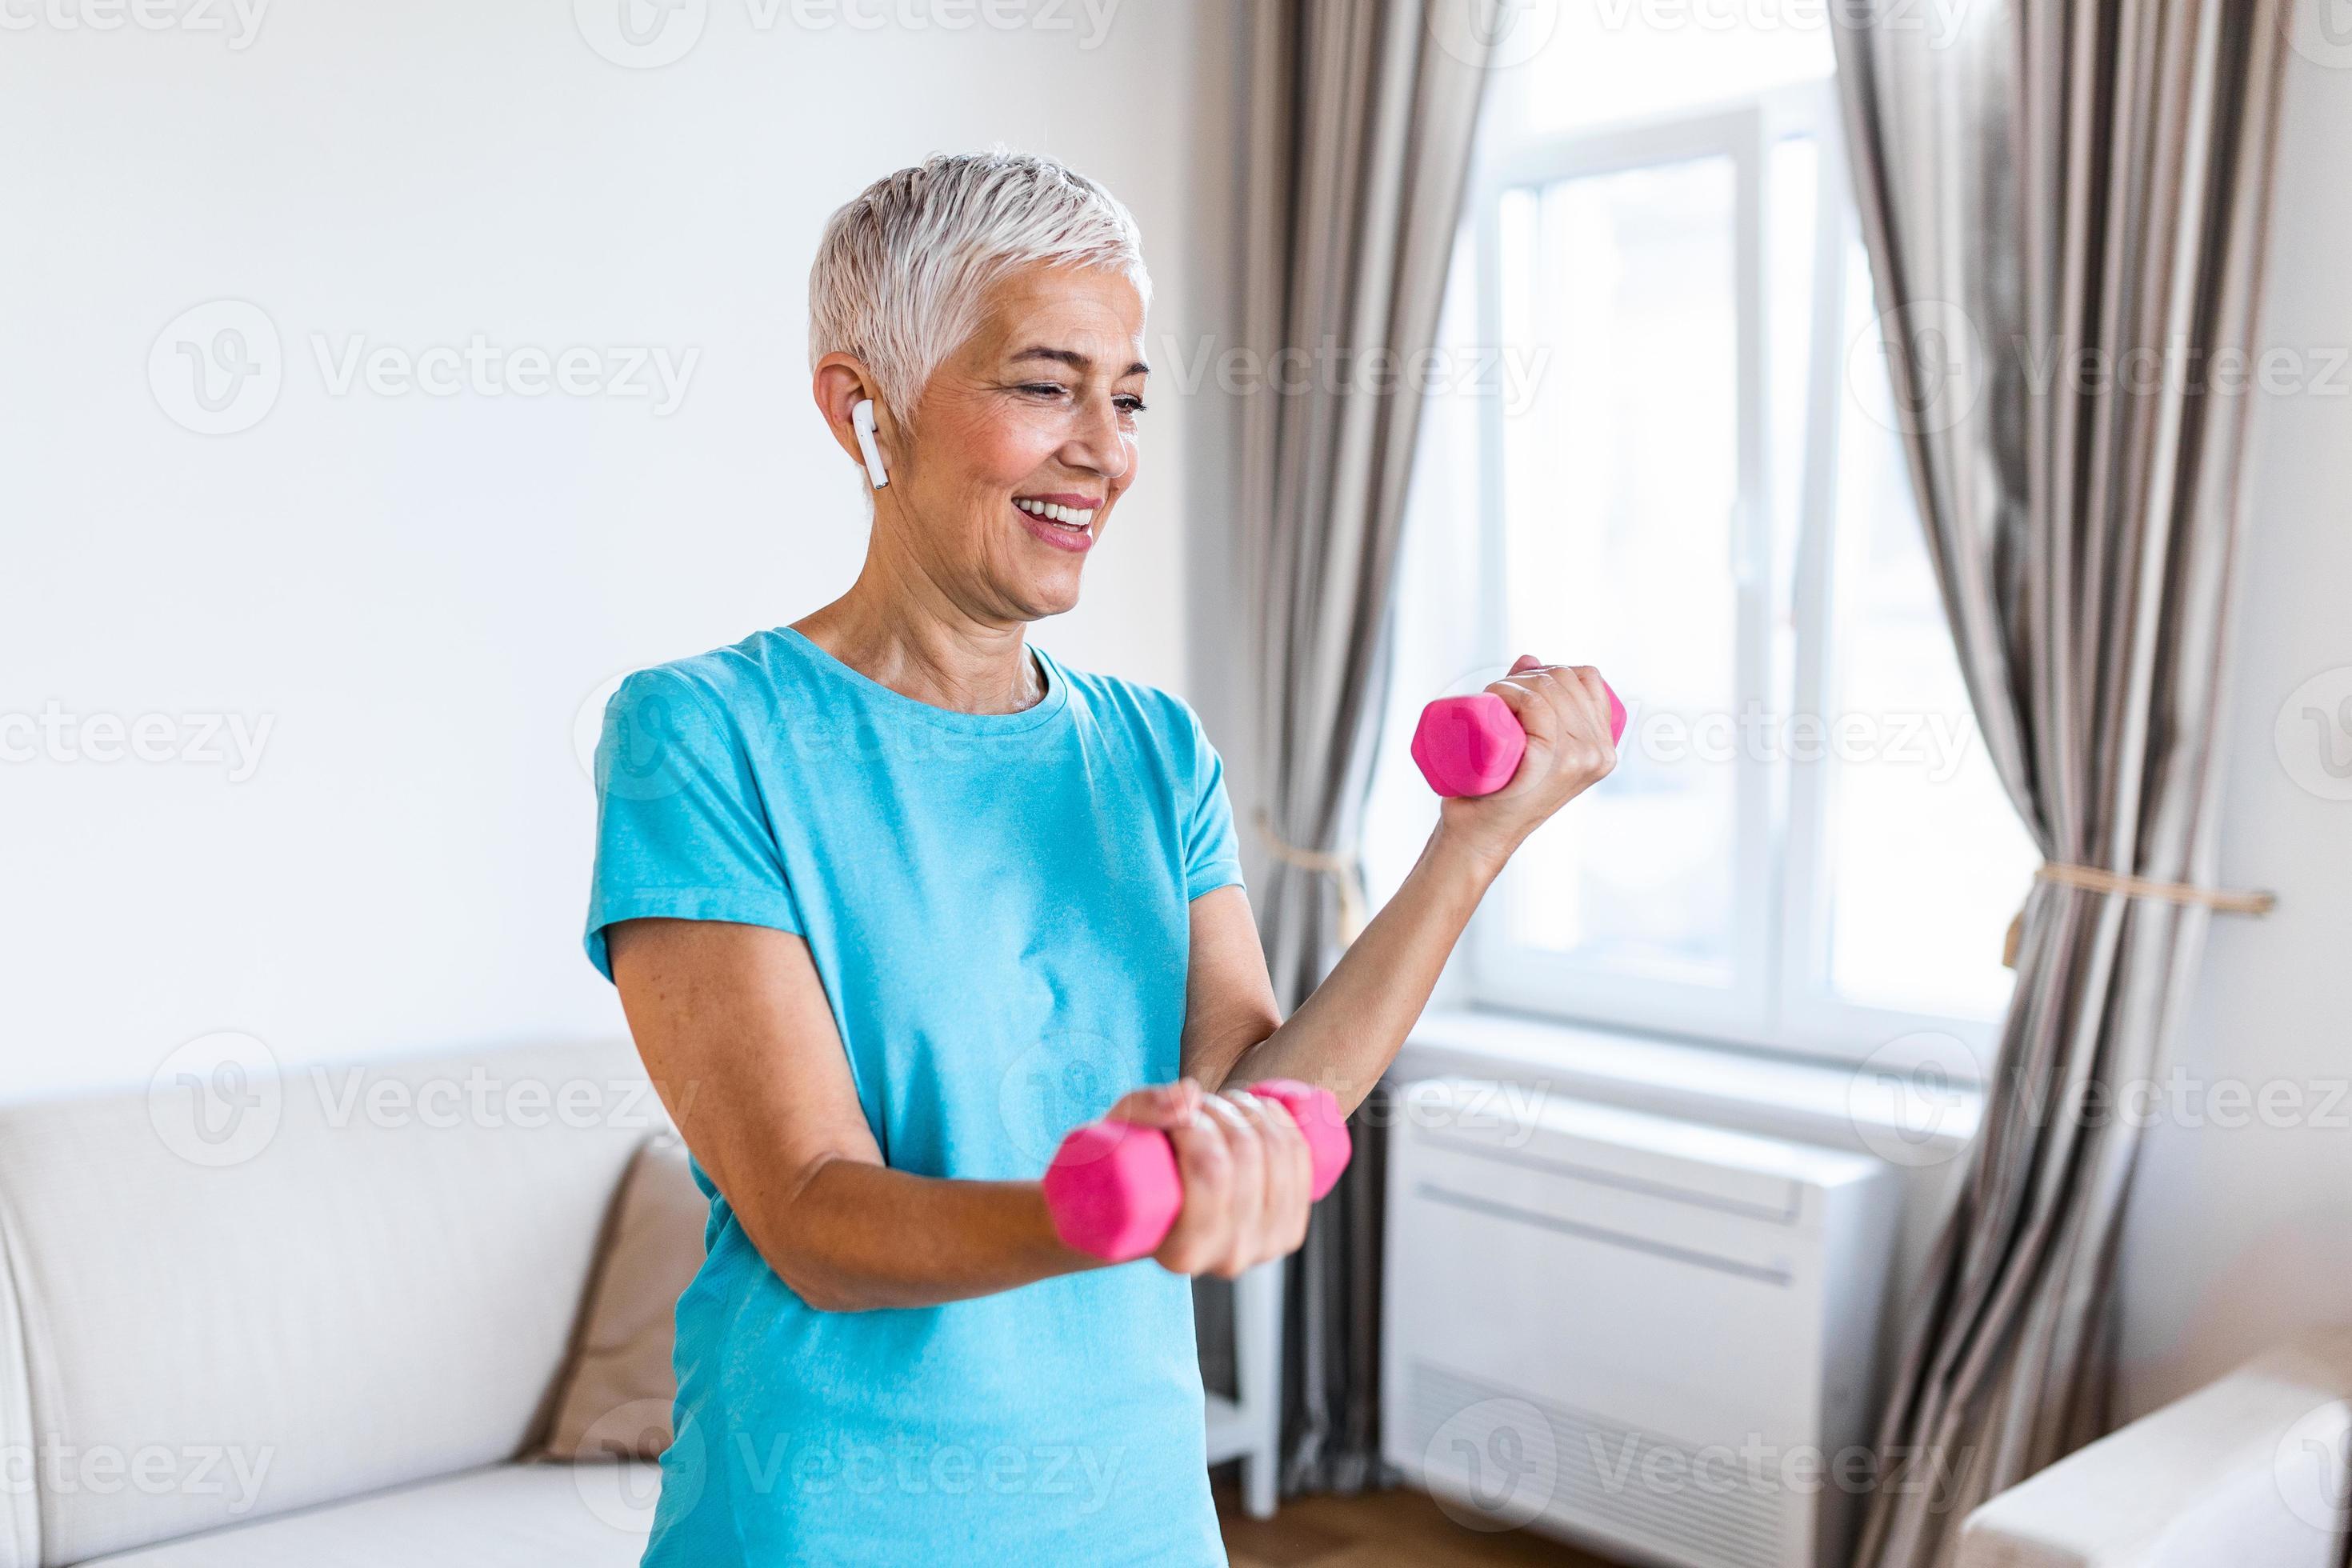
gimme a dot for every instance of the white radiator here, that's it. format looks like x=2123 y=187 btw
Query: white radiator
x=1650 y=1336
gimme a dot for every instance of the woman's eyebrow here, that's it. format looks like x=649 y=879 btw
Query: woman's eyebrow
x=1076 y=359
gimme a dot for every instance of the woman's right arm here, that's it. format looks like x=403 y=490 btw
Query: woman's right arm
x=735 y=1029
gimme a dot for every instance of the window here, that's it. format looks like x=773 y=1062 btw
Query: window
x=1687 y=472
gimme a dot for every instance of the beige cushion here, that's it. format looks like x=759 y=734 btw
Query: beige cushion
x=370 y=1279
x=510 y=1516
x=615 y=1401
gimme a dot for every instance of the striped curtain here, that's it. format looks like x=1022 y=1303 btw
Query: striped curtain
x=1358 y=151
x=2065 y=210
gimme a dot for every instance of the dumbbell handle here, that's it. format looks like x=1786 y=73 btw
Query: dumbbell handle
x=1113 y=1189
x=1472 y=745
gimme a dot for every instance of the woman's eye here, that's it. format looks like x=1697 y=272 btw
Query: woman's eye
x=1046 y=389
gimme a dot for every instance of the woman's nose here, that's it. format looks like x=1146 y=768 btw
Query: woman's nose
x=1099 y=442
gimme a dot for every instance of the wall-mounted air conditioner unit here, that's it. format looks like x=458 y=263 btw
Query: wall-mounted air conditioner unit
x=1650 y=1336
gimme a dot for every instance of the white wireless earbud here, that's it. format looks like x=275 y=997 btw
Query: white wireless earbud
x=861 y=419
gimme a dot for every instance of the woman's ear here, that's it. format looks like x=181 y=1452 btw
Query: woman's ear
x=846 y=395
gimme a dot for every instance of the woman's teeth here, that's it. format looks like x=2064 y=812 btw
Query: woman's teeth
x=1067 y=516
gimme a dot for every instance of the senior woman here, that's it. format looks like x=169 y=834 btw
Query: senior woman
x=892 y=897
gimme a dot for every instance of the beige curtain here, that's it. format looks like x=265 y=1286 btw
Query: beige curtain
x=2064 y=211
x=1361 y=114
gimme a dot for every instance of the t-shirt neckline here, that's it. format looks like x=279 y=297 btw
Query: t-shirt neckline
x=1056 y=698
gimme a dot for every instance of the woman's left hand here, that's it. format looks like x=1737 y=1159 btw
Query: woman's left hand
x=1564 y=709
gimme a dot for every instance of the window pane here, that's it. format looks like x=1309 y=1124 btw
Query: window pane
x=1619 y=481
x=1926 y=860
x=1579 y=63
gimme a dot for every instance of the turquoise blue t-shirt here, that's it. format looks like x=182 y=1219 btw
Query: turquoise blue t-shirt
x=997 y=906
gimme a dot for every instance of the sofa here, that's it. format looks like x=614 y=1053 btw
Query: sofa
x=2253 y=1471
x=314 y=1318
x=324 y=1318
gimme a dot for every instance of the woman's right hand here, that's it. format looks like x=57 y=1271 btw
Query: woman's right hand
x=1248 y=1180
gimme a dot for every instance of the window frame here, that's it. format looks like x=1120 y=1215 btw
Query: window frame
x=1780 y=999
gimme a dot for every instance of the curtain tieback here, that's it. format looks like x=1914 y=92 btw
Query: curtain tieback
x=2097 y=880
x=1346 y=869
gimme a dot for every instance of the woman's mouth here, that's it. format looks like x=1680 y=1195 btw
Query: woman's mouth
x=1063 y=522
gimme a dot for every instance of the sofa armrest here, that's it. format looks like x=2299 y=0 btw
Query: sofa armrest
x=20 y=1510
x=2253 y=1468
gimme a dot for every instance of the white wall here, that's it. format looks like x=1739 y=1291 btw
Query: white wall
x=2241 y=1234
x=417 y=593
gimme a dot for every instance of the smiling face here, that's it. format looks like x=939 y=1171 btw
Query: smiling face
x=1024 y=440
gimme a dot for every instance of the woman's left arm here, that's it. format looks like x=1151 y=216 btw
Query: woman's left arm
x=1344 y=1036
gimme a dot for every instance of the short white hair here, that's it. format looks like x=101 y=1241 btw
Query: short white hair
x=902 y=268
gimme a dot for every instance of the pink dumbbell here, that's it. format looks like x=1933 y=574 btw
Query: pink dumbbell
x=1113 y=1190
x=1472 y=745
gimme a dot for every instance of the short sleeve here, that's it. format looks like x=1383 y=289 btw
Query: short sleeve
x=1213 y=857
x=680 y=829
